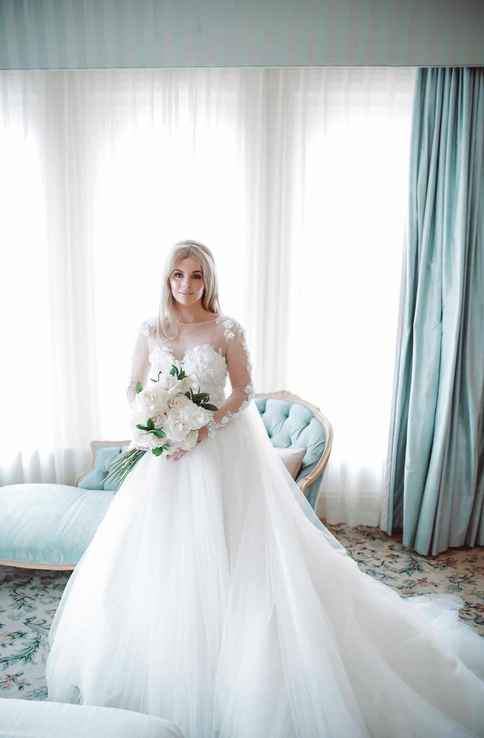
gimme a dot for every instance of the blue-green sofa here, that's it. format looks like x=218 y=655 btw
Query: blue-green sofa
x=49 y=526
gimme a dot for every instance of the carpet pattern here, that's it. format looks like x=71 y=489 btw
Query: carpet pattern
x=29 y=598
x=457 y=571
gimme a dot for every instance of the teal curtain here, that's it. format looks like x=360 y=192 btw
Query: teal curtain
x=435 y=490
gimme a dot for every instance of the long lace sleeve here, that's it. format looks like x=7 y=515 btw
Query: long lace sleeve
x=139 y=361
x=240 y=375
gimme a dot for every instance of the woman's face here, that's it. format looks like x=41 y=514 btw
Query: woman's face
x=186 y=281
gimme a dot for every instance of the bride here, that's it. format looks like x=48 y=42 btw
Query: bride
x=211 y=594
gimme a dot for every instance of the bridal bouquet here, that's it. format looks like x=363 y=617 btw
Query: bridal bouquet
x=166 y=417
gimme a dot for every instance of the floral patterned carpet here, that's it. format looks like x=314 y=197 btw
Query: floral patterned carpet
x=29 y=598
x=458 y=570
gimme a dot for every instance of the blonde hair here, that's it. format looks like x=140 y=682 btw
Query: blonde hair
x=167 y=323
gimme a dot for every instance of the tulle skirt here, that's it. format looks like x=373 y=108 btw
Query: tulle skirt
x=211 y=595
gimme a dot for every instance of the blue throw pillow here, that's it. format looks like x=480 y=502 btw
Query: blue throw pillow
x=94 y=479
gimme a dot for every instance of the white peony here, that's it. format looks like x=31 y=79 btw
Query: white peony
x=189 y=442
x=182 y=386
x=193 y=416
x=143 y=439
x=153 y=400
x=172 y=411
x=184 y=416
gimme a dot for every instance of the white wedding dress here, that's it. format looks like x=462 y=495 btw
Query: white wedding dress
x=211 y=594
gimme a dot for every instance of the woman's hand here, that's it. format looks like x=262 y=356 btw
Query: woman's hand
x=202 y=435
x=177 y=454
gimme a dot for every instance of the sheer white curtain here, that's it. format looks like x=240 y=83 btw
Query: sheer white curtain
x=295 y=177
x=346 y=256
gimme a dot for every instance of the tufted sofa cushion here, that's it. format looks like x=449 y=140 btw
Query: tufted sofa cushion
x=292 y=425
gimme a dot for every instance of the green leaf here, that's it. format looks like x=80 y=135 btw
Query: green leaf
x=158 y=433
x=157 y=451
x=209 y=406
x=157 y=378
x=139 y=387
x=200 y=399
x=150 y=423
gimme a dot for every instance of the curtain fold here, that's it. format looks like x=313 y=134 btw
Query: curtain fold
x=435 y=481
x=294 y=177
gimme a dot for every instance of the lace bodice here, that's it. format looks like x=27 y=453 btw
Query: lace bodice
x=211 y=351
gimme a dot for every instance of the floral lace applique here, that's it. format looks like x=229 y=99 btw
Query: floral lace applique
x=234 y=333
x=148 y=327
x=144 y=342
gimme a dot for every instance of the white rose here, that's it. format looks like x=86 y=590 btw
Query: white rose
x=182 y=386
x=179 y=403
x=153 y=400
x=167 y=381
x=138 y=416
